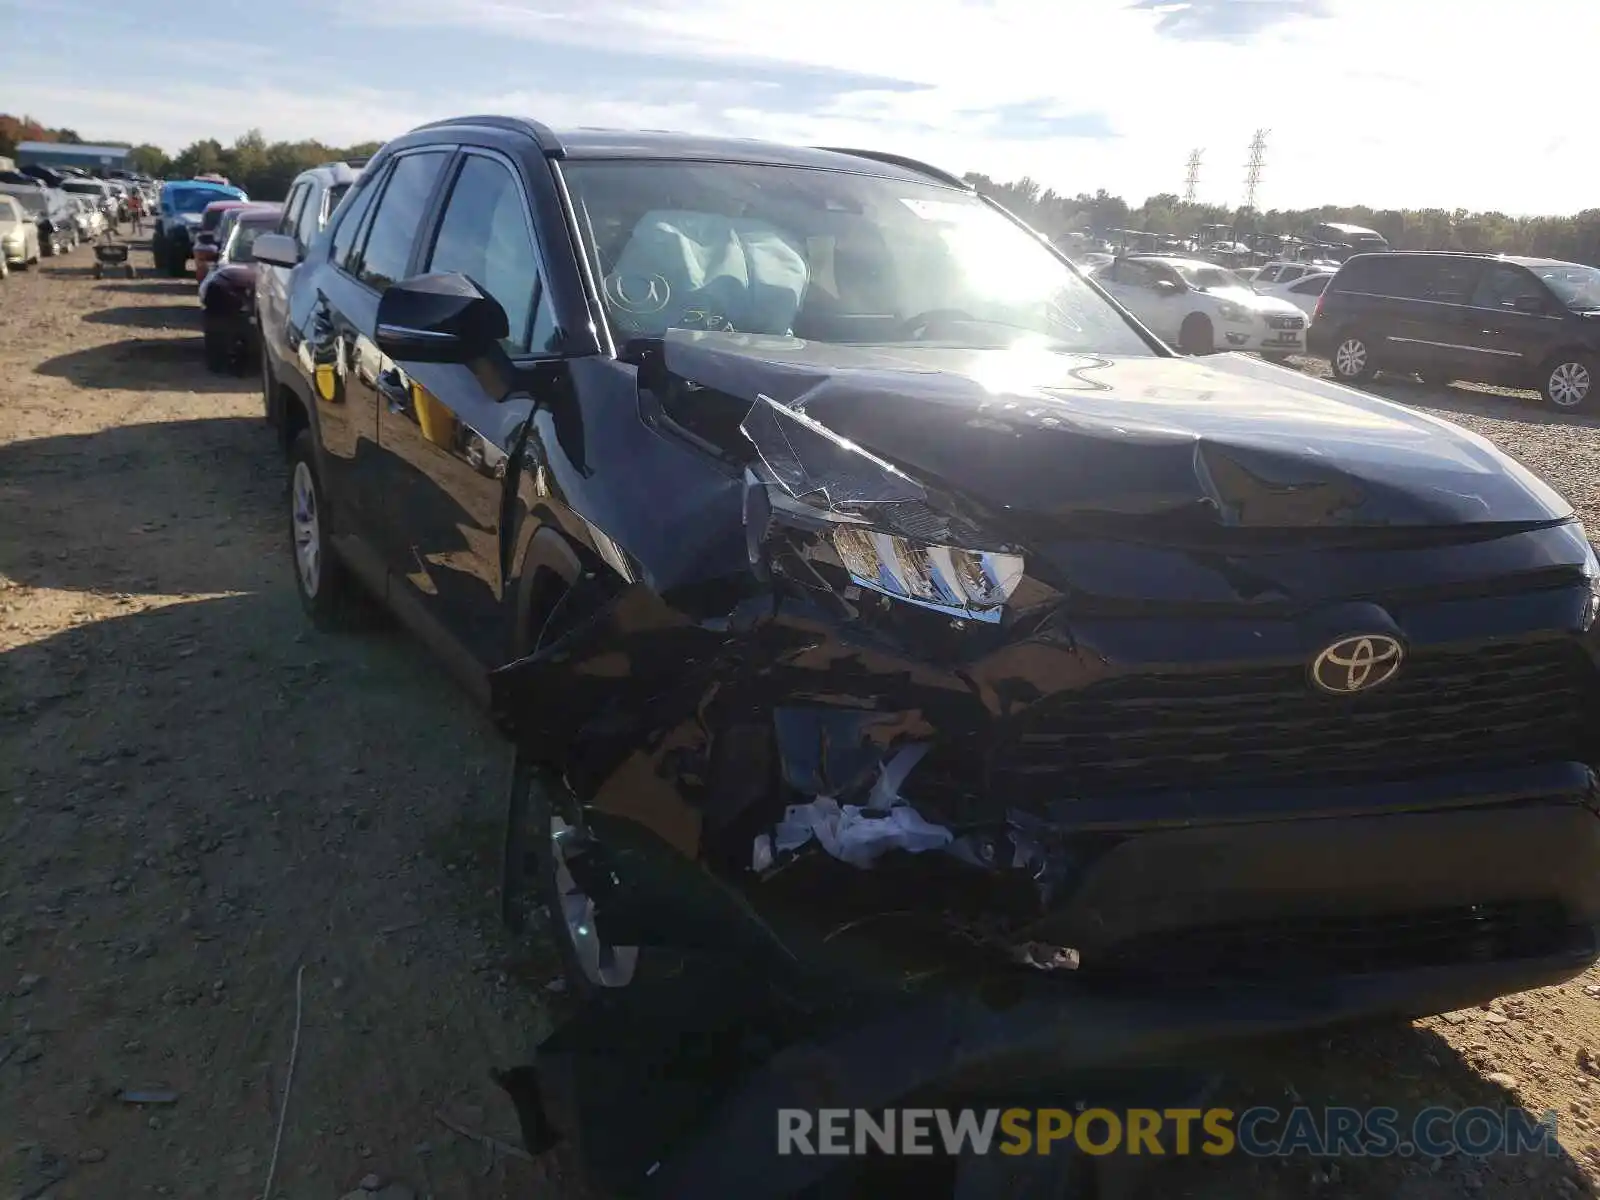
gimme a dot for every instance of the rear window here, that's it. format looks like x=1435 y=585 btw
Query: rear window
x=1380 y=275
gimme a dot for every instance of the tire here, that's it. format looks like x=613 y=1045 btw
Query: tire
x=175 y=262
x=544 y=818
x=1568 y=381
x=99 y=270
x=5 y=268
x=1352 y=359
x=1197 y=335
x=268 y=386
x=218 y=345
x=328 y=592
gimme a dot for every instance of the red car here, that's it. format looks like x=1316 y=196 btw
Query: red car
x=205 y=240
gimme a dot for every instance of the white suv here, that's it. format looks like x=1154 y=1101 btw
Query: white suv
x=1202 y=308
x=313 y=197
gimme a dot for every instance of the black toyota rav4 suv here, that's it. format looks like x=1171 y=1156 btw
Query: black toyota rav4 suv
x=1518 y=322
x=868 y=586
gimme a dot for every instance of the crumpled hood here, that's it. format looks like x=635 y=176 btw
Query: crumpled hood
x=1228 y=440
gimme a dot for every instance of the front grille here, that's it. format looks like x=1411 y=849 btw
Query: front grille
x=1286 y=322
x=1305 y=947
x=1446 y=711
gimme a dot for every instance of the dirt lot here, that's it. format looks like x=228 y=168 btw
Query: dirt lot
x=199 y=796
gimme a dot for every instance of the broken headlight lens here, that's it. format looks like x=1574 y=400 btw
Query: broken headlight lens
x=971 y=584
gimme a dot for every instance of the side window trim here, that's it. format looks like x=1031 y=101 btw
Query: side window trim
x=541 y=292
x=430 y=212
x=290 y=219
x=351 y=270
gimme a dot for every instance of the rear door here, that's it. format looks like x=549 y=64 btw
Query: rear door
x=448 y=437
x=1431 y=332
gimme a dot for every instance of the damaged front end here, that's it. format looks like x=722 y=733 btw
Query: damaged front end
x=1009 y=766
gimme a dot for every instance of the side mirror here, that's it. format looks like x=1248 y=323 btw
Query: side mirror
x=439 y=318
x=276 y=249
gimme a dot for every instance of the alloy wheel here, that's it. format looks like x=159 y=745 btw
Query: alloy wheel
x=307 y=529
x=1350 y=358
x=603 y=965
x=1569 y=384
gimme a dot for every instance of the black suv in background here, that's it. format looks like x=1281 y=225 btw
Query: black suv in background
x=1517 y=322
x=748 y=481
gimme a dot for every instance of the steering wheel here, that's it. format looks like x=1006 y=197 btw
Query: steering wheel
x=913 y=327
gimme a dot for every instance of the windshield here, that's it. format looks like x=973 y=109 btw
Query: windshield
x=31 y=200
x=827 y=256
x=1575 y=285
x=241 y=248
x=1206 y=278
x=194 y=200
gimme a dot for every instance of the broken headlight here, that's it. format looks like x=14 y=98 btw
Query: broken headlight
x=963 y=583
x=889 y=535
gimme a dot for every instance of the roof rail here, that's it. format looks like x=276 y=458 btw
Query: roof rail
x=900 y=160
x=549 y=143
x=355 y=164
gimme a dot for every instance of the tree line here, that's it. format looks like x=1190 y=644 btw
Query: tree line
x=265 y=169
x=1574 y=239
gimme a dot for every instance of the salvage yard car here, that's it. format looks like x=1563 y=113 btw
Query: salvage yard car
x=19 y=236
x=1518 y=322
x=227 y=294
x=178 y=215
x=1202 y=308
x=863 y=584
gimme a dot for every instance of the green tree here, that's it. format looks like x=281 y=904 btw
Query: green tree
x=149 y=160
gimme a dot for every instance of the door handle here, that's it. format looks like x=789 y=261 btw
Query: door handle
x=393 y=387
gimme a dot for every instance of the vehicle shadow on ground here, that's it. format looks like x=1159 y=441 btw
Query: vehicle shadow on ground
x=1375 y=1065
x=148 y=316
x=264 y=795
x=138 y=363
x=144 y=508
x=156 y=287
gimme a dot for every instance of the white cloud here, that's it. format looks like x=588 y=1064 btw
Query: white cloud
x=1426 y=102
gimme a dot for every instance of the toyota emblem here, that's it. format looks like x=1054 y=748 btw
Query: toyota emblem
x=1357 y=664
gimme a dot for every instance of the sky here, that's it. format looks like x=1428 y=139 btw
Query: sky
x=1391 y=103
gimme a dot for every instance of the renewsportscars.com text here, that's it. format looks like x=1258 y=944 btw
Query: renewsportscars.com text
x=1258 y=1132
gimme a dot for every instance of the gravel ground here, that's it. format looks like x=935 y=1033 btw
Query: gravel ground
x=200 y=798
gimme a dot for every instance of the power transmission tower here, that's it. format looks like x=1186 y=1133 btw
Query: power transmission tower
x=1252 y=172
x=1191 y=180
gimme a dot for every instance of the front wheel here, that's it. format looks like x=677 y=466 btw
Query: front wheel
x=546 y=835
x=1197 y=336
x=1352 y=359
x=218 y=344
x=1568 y=381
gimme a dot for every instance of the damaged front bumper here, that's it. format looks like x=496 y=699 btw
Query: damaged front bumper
x=906 y=820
